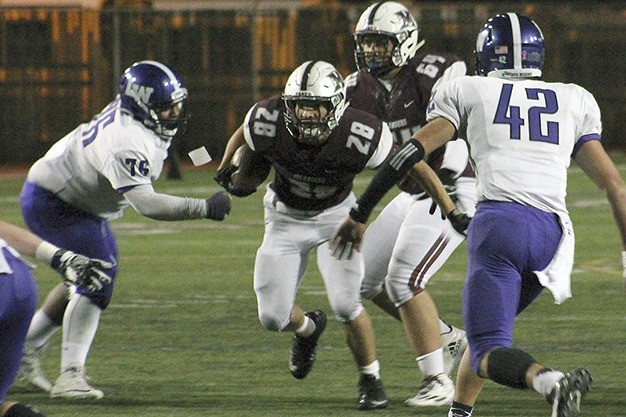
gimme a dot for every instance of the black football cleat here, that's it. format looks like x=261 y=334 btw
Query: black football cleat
x=303 y=348
x=371 y=393
x=569 y=391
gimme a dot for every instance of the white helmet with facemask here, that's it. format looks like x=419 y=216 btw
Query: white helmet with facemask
x=382 y=21
x=314 y=84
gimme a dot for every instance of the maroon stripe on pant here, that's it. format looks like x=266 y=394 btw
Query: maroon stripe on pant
x=431 y=256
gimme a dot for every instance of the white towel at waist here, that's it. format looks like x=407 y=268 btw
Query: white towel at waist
x=557 y=275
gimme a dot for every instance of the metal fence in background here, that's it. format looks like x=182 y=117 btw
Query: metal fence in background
x=58 y=66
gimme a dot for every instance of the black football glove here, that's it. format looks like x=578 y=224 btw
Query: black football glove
x=460 y=221
x=223 y=178
x=218 y=206
x=80 y=270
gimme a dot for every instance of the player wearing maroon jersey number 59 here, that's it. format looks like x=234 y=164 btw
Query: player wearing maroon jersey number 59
x=412 y=239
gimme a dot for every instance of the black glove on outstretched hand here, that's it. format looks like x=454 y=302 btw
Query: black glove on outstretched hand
x=217 y=206
x=460 y=221
x=80 y=270
x=223 y=178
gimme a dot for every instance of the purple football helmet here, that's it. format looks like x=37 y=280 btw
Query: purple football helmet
x=510 y=46
x=146 y=89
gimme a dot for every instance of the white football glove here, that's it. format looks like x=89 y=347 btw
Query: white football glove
x=80 y=270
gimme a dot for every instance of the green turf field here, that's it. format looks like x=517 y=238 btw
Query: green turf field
x=182 y=338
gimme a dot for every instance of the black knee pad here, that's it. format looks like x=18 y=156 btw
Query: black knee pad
x=508 y=366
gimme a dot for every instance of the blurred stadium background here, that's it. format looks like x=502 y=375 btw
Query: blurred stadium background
x=60 y=59
x=182 y=337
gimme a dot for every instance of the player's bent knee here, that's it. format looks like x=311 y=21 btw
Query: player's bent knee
x=399 y=296
x=271 y=322
x=508 y=366
x=101 y=298
x=347 y=313
x=369 y=293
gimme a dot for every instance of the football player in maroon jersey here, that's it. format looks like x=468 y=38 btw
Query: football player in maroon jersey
x=316 y=145
x=412 y=239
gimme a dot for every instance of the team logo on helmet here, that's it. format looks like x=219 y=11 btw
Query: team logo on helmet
x=140 y=93
x=405 y=19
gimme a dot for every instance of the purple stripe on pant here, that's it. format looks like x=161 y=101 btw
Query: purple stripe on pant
x=71 y=228
x=506 y=242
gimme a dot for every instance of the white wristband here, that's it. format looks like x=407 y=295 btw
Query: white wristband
x=45 y=251
x=624 y=264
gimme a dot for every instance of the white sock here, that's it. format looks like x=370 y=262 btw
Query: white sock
x=544 y=382
x=307 y=328
x=431 y=363
x=80 y=323
x=41 y=329
x=444 y=327
x=371 y=369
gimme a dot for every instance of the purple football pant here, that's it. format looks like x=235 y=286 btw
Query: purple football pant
x=71 y=228
x=506 y=243
x=18 y=301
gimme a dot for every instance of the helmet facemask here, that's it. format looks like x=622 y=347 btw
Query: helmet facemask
x=169 y=119
x=377 y=53
x=311 y=130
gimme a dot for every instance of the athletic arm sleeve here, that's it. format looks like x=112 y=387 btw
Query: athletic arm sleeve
x=386 y=177
x=158 y=206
